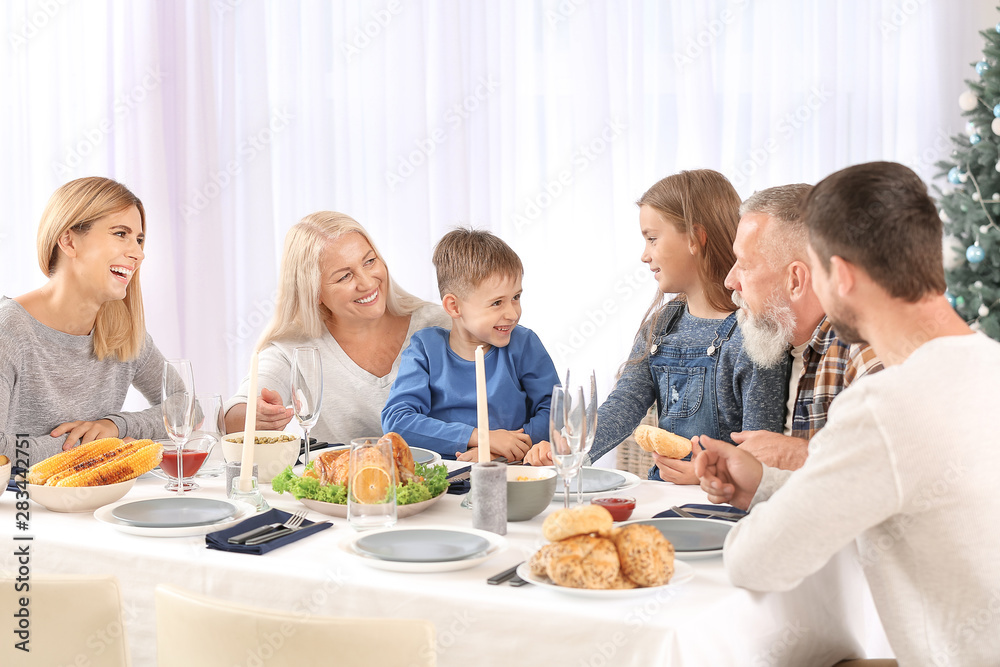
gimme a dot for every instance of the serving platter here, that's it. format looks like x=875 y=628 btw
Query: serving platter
x=683 y=573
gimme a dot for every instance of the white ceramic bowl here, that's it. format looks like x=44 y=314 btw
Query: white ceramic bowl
x=271 y=458
x=5 y=475
x=77 y=498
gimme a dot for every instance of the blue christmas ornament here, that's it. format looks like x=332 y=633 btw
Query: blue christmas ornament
x=982 y=67
x=951 y=298
x=974 y=139
x=998 y=27
x=975 y=254
x=953 y=176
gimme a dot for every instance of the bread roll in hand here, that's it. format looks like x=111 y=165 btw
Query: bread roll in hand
x=663 y=442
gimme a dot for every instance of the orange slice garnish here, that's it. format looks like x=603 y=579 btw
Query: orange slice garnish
x=370 y=485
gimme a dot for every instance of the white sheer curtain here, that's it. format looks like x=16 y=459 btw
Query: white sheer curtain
x=542 y=121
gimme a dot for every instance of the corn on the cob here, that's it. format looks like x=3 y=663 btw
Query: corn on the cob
x=124 y=450
x=41 y=471
x=122 y=468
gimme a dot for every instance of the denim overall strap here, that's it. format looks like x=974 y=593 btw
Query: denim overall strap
x=686 y=382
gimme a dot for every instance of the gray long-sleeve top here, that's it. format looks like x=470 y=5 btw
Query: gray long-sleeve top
x=48 y=377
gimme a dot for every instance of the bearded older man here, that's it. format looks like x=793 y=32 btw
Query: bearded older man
x=781 y=315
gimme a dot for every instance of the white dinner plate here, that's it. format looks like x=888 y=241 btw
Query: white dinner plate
x=630 y=481
x=104 y=515
x=595 y=480
x=692 y=538
x=497 y=544
x=174 y=512
x=683 y=573
x=422 y=545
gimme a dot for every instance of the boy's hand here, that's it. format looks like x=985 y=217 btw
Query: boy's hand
x=512 y=445
x=539 y=455
x=674 y=470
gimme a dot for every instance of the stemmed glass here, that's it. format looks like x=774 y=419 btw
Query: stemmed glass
x=567 y=424
x=177 y=404
x=590 y=430
x=307 y=390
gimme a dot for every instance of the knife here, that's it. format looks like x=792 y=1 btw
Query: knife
x=503 y=576
x=281 y=532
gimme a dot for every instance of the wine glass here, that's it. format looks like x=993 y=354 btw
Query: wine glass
x=590 y=430
x=307 y=390
x=177 y=404
x=566 y=430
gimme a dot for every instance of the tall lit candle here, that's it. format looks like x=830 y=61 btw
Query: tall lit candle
x=249 y=429
x=483 y=411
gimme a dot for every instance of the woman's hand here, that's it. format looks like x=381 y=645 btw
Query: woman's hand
x=81 y=432
x=675 y=470
x=271 y=414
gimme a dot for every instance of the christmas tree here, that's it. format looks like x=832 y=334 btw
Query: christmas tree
x=971 y=209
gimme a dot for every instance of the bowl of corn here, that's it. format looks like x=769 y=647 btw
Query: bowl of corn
x=90 y=476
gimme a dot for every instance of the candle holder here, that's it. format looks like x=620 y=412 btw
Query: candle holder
x=253 y=496
x=488 y=497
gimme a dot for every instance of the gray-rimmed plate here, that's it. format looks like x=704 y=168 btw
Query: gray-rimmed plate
x=692 y=538
x=421 y=545
x=174 y=512
x=425 y=456
x=595 y=480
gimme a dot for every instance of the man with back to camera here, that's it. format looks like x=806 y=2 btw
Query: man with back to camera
x=906 y=464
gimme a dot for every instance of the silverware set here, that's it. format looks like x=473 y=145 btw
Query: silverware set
x=697 y=513
x=270 y=532
x=509 y=575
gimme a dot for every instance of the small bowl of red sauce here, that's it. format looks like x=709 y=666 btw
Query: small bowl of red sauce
x=620 y=508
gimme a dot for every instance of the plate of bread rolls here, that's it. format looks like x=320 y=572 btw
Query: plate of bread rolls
x=587 y=556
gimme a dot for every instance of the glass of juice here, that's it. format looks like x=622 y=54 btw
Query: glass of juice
x=193 y=455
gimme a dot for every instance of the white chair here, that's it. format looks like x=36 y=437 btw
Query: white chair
x=71 y=620
x=194 y=631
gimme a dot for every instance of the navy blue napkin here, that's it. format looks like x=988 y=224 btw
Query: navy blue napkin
x=218 y=539
x=460 y=486
x=735 y=512
x=14 y=472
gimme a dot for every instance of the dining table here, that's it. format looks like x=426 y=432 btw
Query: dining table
x=705 y=621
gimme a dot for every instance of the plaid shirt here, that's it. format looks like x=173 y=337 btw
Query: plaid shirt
x=828 y=367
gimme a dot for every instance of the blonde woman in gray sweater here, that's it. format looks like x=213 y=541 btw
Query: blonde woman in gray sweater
x=70 y=349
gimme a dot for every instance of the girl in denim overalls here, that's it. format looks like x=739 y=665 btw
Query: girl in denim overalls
x=688 y=355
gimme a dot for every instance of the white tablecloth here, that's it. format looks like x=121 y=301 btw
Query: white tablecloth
x=704 y=622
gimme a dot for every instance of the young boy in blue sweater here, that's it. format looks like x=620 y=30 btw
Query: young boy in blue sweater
x=432 y=403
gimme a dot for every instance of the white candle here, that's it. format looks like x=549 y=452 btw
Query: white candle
x=483 y=411
x=249 y=429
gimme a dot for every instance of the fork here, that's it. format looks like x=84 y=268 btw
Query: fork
x=293 y=521
x=290 y=527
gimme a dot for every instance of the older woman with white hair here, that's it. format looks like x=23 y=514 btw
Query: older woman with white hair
x=335 y=294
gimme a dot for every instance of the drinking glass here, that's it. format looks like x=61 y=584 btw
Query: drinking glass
x=371 y=484
x=210 y=424
x=177 y=405
x=590 y=430
x=566 y=430
x=307 y=390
